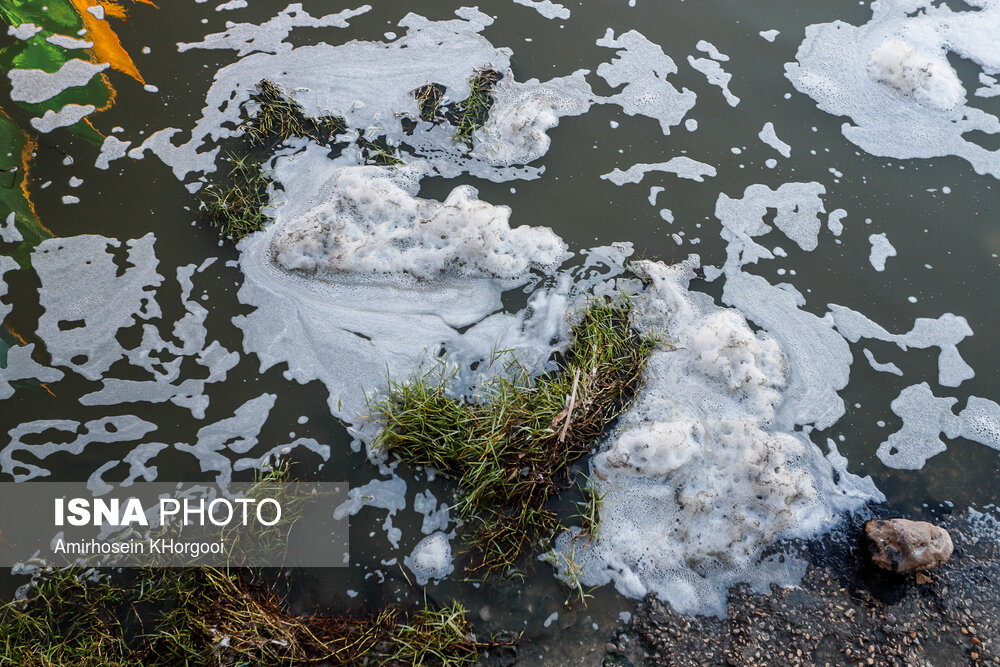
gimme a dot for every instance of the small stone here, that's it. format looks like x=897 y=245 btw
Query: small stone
x=922 y=578
x=901 y=545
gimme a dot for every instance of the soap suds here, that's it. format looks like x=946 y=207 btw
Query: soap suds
x=430 y=559
x=945 y=332
x=881 y=251
x=683 y=167
x=70 y=114
x=892 y=78
x=547 y=8
x=643 y=68
x=716 y=76
x=769 y=137
x=695 y=481
x=35 y=85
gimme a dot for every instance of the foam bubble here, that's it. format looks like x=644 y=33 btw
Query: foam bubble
x=547 y=8
x=682 y=166
x=643 y=68
x=881 y=251
x=891 y=77
x=430 y=559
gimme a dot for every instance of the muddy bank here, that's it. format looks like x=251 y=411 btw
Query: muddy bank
x=844 y=612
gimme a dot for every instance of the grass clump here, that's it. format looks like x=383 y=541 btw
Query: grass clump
x=279 y=118
x=510 y=447
x=235 y=205
x=468 y=115
x=209 y=616
x=429 y=100
x=471 y=113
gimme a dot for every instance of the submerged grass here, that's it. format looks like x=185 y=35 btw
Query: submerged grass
x=467 y=115
x=510 y=448
x=471 y=113
x=208 y=616
x=235 y=205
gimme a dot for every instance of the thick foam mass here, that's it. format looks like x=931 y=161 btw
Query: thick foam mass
x=696 y=481
x=370 y=224
x=384 y=313
x=892 y=77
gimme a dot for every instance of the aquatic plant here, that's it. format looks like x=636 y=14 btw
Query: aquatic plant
x=236 y=207
x=209 y=616
x=471 y=113
x=467 y=115
x=429 y=99
x=510 y=447
x=278 y=118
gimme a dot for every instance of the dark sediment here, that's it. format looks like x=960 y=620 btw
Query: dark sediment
x=845 y=612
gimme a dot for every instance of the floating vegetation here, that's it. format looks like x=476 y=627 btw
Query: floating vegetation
x=468 y=115
x=510 y=447
x=278 y=118
x=378 y=152
x=236 y=206
x=209 y=616
x=471 y=113
x=429 y=99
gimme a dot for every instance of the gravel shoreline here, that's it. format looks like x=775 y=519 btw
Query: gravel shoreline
x=843 y=613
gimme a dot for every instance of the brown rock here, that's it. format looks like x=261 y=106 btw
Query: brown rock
x=900 y=545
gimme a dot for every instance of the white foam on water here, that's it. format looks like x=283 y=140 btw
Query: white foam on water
x=711 y=50
x=270 y=36
x=881 y=250
x=697 y=479
x=929 y=81
x=682 y=166
x=436 y=517
x=231 y=5
x=190 y=340
x=23 y=31
x=8 y=234
x=642 y=67
x=35 y=85
x=945 y=332
x=105 y=430
x=769 y=35
x=522 y=114
x=891 y=77
x=370 y=84
x=70 y=114
x=112 y=149
x=769 y=137
x=880 y=367
x=834 y=221
x=86 y=302
x=927 y=417
x=237 y=434
x=819 y=358
x=20 y=366
x=547 y=8
x=383 y=314
x=430 y=559
x=66 y=42
x=716 y=76
x=990 y=87
x=371 y=223
x=981 y=421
